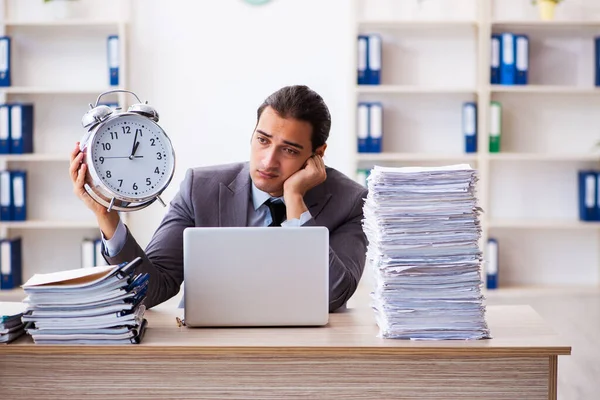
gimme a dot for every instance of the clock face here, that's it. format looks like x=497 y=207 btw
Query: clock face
x=132 y=156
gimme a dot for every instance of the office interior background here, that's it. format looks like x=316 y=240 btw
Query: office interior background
x=207 y=65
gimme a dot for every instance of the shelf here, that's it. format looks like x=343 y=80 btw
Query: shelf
x=83 y=23
x=406 y=89
x=543 y=224
x=383 y=24
x=543 y=157
x=543 y=89
x=50 y=90
x=40 y=224
x=12 y=295
x=540 y=25
x=34 y=157
x=550 y=290
x=415 y=157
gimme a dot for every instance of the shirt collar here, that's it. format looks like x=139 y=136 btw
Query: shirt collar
x=259 y=197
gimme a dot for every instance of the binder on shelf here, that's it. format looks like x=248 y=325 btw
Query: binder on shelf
x=21 y=128
x=98 y=257
x=495 y=60
x=469 y=122
x=87 y=253
x=588 y=193
x=375 y=127
x=19 y=192
x=4 y=129
x=597 y=60
x=113 y=60
x=363 y=127
x=362 y=53
x=521 y=59
x=507 y=60
x=374 y=60
x=10 y=263
x=495 y=126
x=6 y=196
x=492 y=265
x=5 y=61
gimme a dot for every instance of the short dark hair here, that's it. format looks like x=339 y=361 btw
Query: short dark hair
x=304 y=104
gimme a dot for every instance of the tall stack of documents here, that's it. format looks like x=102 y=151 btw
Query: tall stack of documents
x=423 y=229
x=100 y=305
x=11 y=325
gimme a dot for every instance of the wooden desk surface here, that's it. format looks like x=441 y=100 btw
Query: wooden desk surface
x=516 y=331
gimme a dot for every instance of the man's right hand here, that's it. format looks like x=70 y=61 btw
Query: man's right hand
x=107 y=221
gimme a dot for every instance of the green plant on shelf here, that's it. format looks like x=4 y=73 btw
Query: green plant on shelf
x=551 y=1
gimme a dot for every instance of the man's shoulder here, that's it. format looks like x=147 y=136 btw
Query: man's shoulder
x=224 y=173
x=339 y=183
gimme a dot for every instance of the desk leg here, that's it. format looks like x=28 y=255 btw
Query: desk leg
x=552 y=377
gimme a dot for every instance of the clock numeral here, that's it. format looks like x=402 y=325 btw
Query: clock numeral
x=148 y=183
x=139 y=132
x=152 y=141
x=120 y=182
x=108 y=174
x=126 y=129
x=114 y=135
x=159 y=156
x=135 y=186
x=156 y=171
x=106 y=146
x=101 y=160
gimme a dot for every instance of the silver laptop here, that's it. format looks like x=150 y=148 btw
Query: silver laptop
x=256 y=276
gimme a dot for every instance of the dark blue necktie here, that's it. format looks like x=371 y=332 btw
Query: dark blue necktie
x=277 y=209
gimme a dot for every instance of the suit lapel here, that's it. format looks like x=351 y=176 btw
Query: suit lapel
x=233 y=200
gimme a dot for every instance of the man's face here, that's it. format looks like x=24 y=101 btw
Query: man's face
x=279 y=148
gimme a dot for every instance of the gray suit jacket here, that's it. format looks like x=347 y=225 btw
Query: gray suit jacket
x=219 y=196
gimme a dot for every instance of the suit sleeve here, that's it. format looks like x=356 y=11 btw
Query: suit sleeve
x=163 y=258
x=347 y=255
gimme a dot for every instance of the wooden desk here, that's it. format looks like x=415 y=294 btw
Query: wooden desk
x=342 y=360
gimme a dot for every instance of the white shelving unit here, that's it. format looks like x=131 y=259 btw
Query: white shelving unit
x=437 y=58
x=59 y=65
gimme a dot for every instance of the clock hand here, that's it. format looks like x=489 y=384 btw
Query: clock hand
x=133 y=147
x=129 y=157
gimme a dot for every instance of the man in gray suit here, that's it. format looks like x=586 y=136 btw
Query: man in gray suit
x=285 y=183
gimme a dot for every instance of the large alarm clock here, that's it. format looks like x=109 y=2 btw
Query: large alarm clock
x=129 y=156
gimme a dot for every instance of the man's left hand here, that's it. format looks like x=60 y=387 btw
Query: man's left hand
x=305 y=179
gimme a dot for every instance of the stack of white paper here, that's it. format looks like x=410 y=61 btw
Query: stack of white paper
x=11 y=325
x=100 y=305
x=423 y=230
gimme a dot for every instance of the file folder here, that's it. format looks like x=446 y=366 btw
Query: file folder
x=495 y=60
x=507 y=61
x=363 y=127
x=495 y=126
x=19 y=192
x=87 y=253
x=492 y=265
x=597 y=60
x=362 y=53
x=10 y=263
x=98 y=257
x=113 y=60
x=521 y=59
x=374 y=60
x=375 y=127
x=587 y=183
x=5 y=61
x=469 y=122
x=6 y=197
x=4 y=128
x=21 y=128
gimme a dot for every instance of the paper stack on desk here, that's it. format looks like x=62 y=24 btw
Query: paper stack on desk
x=423 y=230
x=99 y=305
x=11 y=326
